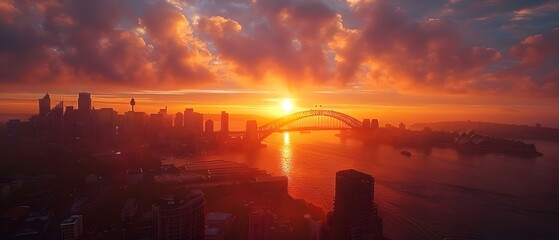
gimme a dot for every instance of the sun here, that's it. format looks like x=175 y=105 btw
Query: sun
x=287 y=105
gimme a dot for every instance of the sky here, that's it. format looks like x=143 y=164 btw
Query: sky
x=395 y=60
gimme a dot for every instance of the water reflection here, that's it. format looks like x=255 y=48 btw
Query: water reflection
x=286 y=154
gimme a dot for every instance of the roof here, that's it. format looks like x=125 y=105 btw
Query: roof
x=218 y=216
x=354 y=173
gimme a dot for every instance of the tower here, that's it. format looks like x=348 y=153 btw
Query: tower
x=84 y=103
x=132 y=103
x=224 y=122
x=355 y=214
x=44 y=105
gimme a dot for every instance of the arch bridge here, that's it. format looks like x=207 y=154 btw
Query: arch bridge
x=309 y=120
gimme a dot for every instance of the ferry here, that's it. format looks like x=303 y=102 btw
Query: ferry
x=406 y=153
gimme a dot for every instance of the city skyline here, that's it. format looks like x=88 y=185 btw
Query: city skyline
x=398 y=59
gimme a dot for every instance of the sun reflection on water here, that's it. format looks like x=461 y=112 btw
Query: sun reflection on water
x=286 y=152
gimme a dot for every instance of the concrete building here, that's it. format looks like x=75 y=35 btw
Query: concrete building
x=179 y=217
x=259 y=222
x=224 y=122
x=72 y=228
x=355 y=214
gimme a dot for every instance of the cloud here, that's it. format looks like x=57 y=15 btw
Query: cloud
x=438 y=46
x=101 y=41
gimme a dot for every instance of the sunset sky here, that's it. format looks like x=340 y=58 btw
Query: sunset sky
x=399 y=61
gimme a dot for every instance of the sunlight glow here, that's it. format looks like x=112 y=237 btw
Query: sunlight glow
x=287 y=105
x=286 y=154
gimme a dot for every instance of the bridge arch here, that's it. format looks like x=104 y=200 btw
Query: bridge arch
x=273 y=126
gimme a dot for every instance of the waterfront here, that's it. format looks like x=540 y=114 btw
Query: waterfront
x=430 y=195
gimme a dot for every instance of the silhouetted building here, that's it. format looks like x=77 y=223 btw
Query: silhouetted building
x=402 y=126
x=106 y=125
x=189 y=120
x=366 y=124
x=179 y=120
x=252 y=132
x=198 y=123
x=134 y=123
x=84 y=103
x=179 y=218
x=224 y=122
x=374 y=124
x=259 y=220
x=44 y=105
x=209 y=126
x=72 y=228
x=355 y=214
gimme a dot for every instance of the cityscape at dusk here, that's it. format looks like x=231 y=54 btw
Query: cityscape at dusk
x=279 y=119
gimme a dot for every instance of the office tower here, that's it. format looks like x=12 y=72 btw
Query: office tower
x=252 y=132
x=209 y=126
x=198 y=123
x=366 y=124
x=179 y=120
x=354 y=215
x=224 y=122
x=374 y=124
x=402 y=126
x=106 y=124
x=259 y=224
x=134 y=123
x=189 y=120
x=84 y=103
x=44 y=105
x=179 y=217
x=72 y=228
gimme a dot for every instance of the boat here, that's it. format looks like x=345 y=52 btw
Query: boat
x=304 y=132
x=405 y=153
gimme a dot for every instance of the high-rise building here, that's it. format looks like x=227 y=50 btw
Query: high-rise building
x=252 y=132
x=189 y=120
x=44 y=105
x=179 y=218
x=355 y=215
x=224 y=122
x=402 y=126
x=198 y=123
x=72 y=228
x=179 y=120
x=366 y=124
x=84 y=103
x=259 y=224
x=209 y=126
x=374 y=124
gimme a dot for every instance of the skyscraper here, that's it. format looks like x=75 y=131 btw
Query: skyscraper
x=84 y=103
x=224 y=122
x=374 y=124
x=179 y=120
x=44 y=105
x=354 y=215
x=179 y=218
x=189 y=120
x=209 y=127
x=198 y=123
